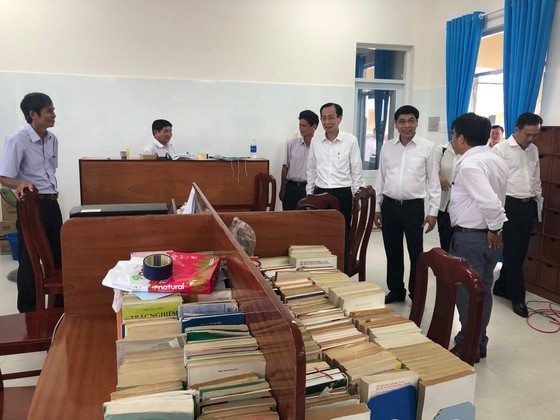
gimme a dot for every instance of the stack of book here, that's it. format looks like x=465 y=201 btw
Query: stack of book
x=150 y=367
x=337 y=402
x=329 y=278
x=361 y=359
x=353 y=297
x=311 y=257
x=164 y=405
x=244 y=395
x=134 y=307
x=370 y=386
x=210 y=313
x=444 y=379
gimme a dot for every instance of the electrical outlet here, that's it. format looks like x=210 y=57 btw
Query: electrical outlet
x=442 y=127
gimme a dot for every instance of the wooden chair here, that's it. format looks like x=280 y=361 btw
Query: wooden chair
x=450 y=272
x=48 y=279
x=363 y=211
x=23 y=333
x=265 y=192
x=318 y=202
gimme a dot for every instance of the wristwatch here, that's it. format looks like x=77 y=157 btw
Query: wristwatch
x=496 y=232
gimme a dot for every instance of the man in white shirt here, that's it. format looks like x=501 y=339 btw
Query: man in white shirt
x=162 y=131
x=294 y=169
x=334 y=164
x=477 y=213
x=496 y=134
x=523 y=192
x=407 y=172
x=446 y=157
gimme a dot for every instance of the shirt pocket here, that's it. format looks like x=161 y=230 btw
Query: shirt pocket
x=416 y=167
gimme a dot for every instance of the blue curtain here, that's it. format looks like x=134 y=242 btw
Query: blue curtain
x=527 y=25
x=463 y=40
x=384 y=69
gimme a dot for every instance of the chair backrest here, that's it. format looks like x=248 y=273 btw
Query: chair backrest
x=265 y=192
x=323 y=201
x=450 y=272
x=363 y=212
x=48 y=279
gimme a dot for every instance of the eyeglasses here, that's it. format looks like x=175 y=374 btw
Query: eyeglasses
x=330 y=118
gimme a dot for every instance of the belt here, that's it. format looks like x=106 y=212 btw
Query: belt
x=402 y=202
x=48 y=196
x=468 y=230
x=296 y=183
x=521 y=200
x=331 y=190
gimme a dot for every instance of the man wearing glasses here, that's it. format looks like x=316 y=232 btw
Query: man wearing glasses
x=477 y=214
x=524 y=191
x=408 y=171
x=334 y=164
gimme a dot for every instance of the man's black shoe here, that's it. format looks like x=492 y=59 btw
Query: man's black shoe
x=394 y=297
x=520 y=309
x=459 y=348
x=482 y=352
x=500 y=292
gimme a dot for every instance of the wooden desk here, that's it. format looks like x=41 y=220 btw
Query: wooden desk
x=229 y=186
x=80 y=371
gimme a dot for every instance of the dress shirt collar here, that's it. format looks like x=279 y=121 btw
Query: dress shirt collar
x=339 y=137
x=397 y=140
x=511 y=142
x=161 y=146
x=472 y=151
x=33 y=134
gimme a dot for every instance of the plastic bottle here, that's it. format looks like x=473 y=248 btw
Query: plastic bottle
x=253 y=148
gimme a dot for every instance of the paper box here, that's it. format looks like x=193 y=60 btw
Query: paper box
x=8 y=212
x=5 y=247
x=7 y=227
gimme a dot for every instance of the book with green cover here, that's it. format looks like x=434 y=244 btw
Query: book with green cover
x=134 y=307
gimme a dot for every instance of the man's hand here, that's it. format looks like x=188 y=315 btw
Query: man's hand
x=430 y=221
x=494 y=241
x=281 y=193
x=377 y=219
x=21 y=187
x=445 y=185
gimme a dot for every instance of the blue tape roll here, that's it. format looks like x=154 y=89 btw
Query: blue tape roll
x=158 y=267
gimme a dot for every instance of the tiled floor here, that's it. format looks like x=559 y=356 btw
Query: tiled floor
x=518 y=380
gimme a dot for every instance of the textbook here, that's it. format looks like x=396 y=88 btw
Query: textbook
x=164 y=406
x=134 y=307
x=212 y=319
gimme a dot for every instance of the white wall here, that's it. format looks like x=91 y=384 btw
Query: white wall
x=221 y=70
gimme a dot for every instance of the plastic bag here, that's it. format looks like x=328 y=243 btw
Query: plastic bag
x=244 y=234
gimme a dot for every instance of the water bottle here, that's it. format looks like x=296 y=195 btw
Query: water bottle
x=253 y=148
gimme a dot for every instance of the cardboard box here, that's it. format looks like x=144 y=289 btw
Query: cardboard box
x=7 y=227
x=5 y=247
x=9 y=213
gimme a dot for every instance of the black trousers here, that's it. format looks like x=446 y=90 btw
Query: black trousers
x=344 y=197
x=398 y=220
x=292 y=194
x=445 y=230
x=516 y=236
x=52 y=221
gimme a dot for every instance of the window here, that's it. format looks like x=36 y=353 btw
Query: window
x=488 y=86
x=381 y=80
x=487 y=98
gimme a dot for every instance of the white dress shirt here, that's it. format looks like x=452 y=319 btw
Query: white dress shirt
x=295 y=159
x=406 y=172
x=524 y=168
x=156 y=148
x=446 y=158
x=479 y=192
x=334 y=164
